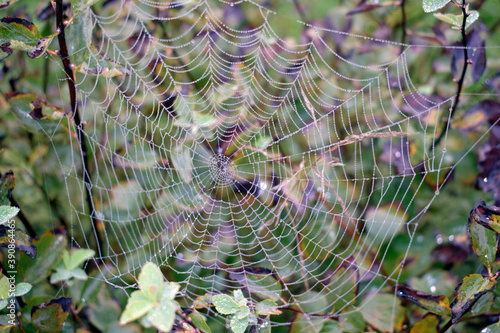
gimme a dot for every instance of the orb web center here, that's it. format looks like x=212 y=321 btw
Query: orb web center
x=222 y=170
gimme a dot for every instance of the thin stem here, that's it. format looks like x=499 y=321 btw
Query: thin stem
x=460 y=82
x=300 y=10
x=403 y=25
x=68 y=69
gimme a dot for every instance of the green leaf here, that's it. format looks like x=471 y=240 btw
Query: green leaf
x=493 y=328
x=7 y=184
x=259 y=281
x=151 y=281
x=331 y=326
x=78 y=6
x=4 y=287
x=352 y=321
x=472 y=287
x=225 y=304
x=341 y=287
x=433 y=5
x=50 y=316
x=7 y=213
x=487 y=216
x=238 y=325
x=137 y=306
x=78 y=257
x=428 y=324
x=22 y=288
x=50 y=248
x=183 y=163
x=484 y=242
x=7 y=3
x=457 y=20
x=439 y=305
x=382 y=312
x=170 y=290
x=3 y=303
x=162 y=316
x=20 y=34
x=267 y=307
x=104 y=311
x=18 y=238
x=199 y=321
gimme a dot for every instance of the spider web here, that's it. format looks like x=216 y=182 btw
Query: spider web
x=240 y=158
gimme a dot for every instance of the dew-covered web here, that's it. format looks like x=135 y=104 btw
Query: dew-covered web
x=248 y=159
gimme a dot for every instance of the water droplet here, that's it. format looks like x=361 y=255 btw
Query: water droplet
x=485 y=179
x=439 y=239
x=451 y=238
x=444 y=150
x=83 y=300
x=231 y=4
x=437 y=192
x=433 y=289
x=397 y=154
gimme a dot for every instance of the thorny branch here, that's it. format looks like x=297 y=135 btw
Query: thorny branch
x=68 y=69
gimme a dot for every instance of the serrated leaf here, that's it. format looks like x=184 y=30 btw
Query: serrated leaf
x=199 y=321
x=170 y=290
x=18 y=238
x=137 y=306
x=244 y=312
x=225 y=304
x=433 y=5
x=162 y=316
x=20 y=34
x=267 y=307
x=151 y=281
x=457 y=20
x=238 y=325
x=487 y=216
x=50 y=316
x=7 y=213
x=484 y=241
x=472 y=287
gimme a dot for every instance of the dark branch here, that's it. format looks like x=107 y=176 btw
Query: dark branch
x=68 y=69
x=300 y=10
x=27 y=225
x=460 y=81
x=403 y=25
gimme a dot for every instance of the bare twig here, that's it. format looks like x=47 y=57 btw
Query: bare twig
x=460 y=81
x=403 y=25
x=68 y=69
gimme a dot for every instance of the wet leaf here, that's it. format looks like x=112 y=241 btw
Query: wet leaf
x=225 y=304
x=384 y=221
x=331 y=326
x=137 y=306
x=20 y=34
x=239 y=325
x=151 y=281
x=439 y=305
x=199 y=321
x=493 y=328
x=20 y=240
x=7 y=213
x=472 y=287
x=50 y=316
x=162 y=316
x=50 y=248
x=267 y=307
x=484 y=240
x=258 y=281
x=428 y=324
x=457 y=20
x=433 y=5
x=381 y=312
x=78 y=6
x=488 y=217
